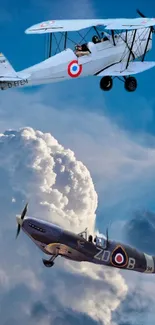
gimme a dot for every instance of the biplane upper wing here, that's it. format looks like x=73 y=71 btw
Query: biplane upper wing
x=119 y=69
x=128 y=24
x=53 y=26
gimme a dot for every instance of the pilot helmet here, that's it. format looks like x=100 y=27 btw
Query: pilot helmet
x=77 y=46
x=95 y=39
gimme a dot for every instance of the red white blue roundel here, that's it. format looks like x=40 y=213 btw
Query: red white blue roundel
x=74 y=69
x=119 y=257
x=47 y=23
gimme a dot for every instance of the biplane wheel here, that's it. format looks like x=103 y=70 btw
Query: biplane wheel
x=130 y=84
x=48 y=263
x=106 y=83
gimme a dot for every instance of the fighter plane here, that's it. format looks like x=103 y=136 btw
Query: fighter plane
x=55 y=241
x=116 y=48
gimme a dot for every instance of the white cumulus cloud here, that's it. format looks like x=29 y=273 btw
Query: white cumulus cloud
x=47 y=174
x=35 y=167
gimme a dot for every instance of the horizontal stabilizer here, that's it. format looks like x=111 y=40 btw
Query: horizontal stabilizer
x=119 y=69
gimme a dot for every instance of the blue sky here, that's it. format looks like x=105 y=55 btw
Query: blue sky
x=113 y=133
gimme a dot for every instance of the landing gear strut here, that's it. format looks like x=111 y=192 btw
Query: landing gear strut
x=106 y=83
x=130 y=84
x=50 y=262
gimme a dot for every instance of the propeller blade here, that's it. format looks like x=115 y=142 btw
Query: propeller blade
x=24 y=211
x=143 y=16
x=19 y=219
x=140 y=13
x=18 y=231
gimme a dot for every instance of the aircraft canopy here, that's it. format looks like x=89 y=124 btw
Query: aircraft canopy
x=101 y=241
x=70 y=25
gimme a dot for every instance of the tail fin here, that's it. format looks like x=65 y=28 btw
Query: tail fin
x=7 y=72
x=6 y=68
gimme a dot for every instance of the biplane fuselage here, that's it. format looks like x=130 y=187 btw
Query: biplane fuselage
x=102 y=60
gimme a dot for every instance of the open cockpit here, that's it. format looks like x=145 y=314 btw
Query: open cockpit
x=84 y=49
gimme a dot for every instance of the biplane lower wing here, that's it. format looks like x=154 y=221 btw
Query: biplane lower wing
x=119 y=69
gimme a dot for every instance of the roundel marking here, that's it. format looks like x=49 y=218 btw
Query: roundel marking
x=119 y=257
x=144 y=21
x=46 y=23
x=74 y=69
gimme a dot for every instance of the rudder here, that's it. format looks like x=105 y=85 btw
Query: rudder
x=6 y=68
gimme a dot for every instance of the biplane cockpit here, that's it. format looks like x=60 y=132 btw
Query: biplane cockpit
x=81 y=50
x=58 y=40
x=96 y=39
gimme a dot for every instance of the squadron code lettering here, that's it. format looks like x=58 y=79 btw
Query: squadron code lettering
x=104 y=255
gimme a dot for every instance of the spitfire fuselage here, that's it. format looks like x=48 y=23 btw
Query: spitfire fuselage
x=53 y=240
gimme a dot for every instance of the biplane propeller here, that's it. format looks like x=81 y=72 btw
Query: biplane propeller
x=143 y=16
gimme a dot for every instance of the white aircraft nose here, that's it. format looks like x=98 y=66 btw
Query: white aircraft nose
x=19 y=220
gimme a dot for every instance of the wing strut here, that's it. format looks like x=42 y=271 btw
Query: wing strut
x=50 y=45
x=113 y=37
x=126 y=36
x=65 y=43
x=149 y=37
x=130 y=49
x=97 y=32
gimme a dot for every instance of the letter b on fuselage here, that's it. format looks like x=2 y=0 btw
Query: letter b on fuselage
x=131 y=263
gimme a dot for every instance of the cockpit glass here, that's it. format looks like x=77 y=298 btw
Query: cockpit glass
x=100 y=241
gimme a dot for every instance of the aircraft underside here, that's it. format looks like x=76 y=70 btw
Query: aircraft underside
x=65 y=251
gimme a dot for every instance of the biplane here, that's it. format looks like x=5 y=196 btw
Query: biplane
x=55 y=241
x=108 y=48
